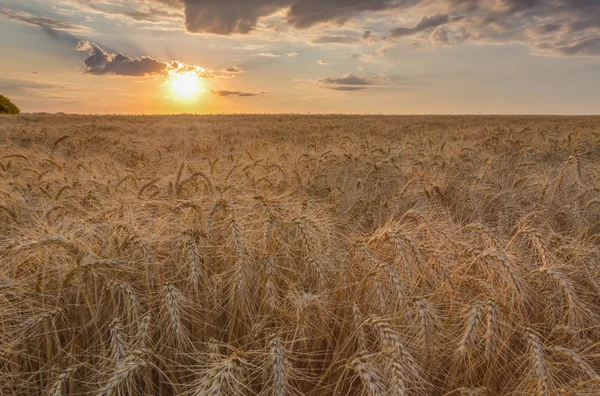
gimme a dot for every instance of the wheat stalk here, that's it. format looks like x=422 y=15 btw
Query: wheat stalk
x=535 y=350
x=279 y=362
x=57 y=388
x=577 y=360
x=474 y=322
x=121 y=381
x=172 y=303
x=368 y=376
x=116 y=341
x=226 y=377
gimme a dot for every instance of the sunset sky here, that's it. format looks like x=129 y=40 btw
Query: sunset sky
x=284 y=56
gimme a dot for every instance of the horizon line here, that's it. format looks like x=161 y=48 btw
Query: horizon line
x=318 y=114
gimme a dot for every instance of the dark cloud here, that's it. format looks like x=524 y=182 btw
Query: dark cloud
x=236 y=93
x=226 y=17
x=465 y=5
x=336 y=40
x=549 y=28
x=152 y=14
x=589 y=46
x=557 y=27
x=427 y=22
x=350 y=82
x=367 y=36
x=348 y=79
x=100 y=62
x=306 y=13
x=446 y=36
x=346 y=89
x=585 y=22
x=577 y=22
x=233 y=70
x=545 y=25
x=171 y=3
x=554 y=27
x=585 y=5
x=518 y=5
x=49 y=24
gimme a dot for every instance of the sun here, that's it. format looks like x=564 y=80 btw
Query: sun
x=186 y=85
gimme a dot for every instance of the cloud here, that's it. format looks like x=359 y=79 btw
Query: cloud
x=268 y=55
x=251 y=47
x=16 y=84
x=227 y=17
x=351 y=82
x=322 y=62
x=306 y=13
x=427 y=22
x=551 y=27
x=292 y=54
x=348 y=79
x=554 y=27
x=367 y=36
x=511 y=6
x=64 y=32
x=336 y=40
x=346 y=89
x=233 y=70
x=100 y=62
x=148 y=13
x=45 y=90
x=385 y=48
x=162 y=11
x=236 y=93
x=586 y=46
x=50 y=24
x=446 y=36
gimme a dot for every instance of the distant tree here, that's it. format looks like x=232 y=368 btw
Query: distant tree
x=8 y=107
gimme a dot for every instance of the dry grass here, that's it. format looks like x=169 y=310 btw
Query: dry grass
x=288 y=255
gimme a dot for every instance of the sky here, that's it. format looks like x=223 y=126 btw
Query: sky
x=301 y=56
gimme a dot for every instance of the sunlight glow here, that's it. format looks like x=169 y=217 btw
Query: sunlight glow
x=186 y=84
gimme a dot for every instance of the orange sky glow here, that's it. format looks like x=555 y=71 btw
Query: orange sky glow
x=301 y=56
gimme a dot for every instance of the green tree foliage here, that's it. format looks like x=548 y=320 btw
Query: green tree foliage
x=8 y=107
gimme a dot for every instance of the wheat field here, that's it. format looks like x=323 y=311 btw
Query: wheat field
x=299 y=255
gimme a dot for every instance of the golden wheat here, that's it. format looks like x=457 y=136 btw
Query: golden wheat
x=299 y=255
